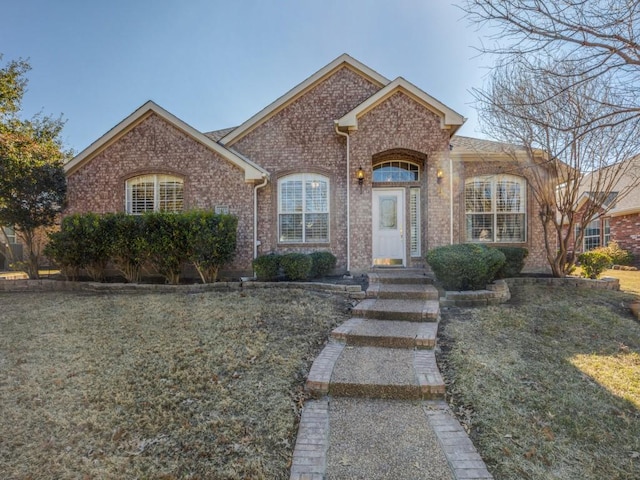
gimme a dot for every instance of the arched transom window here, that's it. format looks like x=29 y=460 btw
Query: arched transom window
x=303 y=208
x=154 y=193
x=396 y=171
x=495 y=207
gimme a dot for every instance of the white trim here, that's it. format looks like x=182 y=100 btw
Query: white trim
x=274 y=107
x=252 y=172
x=449 y=119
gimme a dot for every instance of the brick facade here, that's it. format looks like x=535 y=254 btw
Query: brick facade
x=299 y=136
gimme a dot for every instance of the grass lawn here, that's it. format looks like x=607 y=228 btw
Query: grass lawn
x=163 y=386
x=549 y=384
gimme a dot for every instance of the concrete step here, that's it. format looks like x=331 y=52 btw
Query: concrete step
x=404 y=291
x=400 y=276
x=403 y=310
x=376 y=372
x=388 y=334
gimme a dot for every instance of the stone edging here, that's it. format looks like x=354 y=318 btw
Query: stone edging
x=604 y=283
x=21 y=285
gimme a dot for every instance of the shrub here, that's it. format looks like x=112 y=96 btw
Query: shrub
x=618 y=255
x=465 y=266
x=594 y=262
x=322 y=263
x=212 y=242
x=267 y=267
x=167 y=238
x=514 y=262
x=129 y=249
x=296 y=266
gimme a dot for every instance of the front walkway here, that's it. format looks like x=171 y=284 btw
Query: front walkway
x=379 y=409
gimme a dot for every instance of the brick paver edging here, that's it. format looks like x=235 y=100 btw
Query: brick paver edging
x=320 y=374
x=462 y=456
x=20 y=285
x=310 y=453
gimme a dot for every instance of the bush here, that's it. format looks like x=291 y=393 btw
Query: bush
x=322 y=263
x=594 y=262
x=618 y=255
x=212 y=242
x=267 y=267
x=167 y=238
x=514 y=262
x=129 y=250
x=465 y=266
x=296 y=266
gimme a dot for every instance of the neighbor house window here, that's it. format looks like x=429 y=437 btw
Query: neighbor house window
x=303 y=208
x=591 y=237
x=10 y=233
x=495 y=207
x=395 y=171
x=155 y=193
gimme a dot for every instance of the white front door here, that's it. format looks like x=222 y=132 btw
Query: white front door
x=389 y=246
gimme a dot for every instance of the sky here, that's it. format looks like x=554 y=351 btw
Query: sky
x=215 y=63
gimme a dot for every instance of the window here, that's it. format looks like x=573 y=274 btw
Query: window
x=495 y=209
x=607 y=231
x=591 y=237
x=154 y=193
x=10 y=234
x=303 y=208
x=414 y=218
x=395 y=171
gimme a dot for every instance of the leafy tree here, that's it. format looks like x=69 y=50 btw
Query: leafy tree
x=32 y=179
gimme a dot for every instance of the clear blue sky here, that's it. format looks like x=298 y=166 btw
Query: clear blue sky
x=216 y=63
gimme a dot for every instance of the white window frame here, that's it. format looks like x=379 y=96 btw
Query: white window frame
x=414 y=221
x=294 y=200
x=606 y=231
x=397 y=169
x=482 y=205
x=155 y=203
x=592 y=233
x=10 y=233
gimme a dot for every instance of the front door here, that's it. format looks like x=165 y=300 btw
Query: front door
x=388 y=226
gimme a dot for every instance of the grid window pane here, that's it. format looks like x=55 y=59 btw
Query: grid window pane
x=142 y=197
x=591 y=238
x=496 y=209
x=303 y=203
x=414 y=220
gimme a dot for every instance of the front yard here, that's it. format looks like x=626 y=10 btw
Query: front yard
x=161 y=386
x=549 y=384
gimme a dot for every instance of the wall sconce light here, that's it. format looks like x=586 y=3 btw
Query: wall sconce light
x=360 y=177
x=439 y=175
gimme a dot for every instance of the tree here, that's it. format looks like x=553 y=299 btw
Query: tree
x=597 y=38
x=583 y=143
x=32 y=179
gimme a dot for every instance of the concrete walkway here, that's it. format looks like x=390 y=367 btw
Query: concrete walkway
x=379 y=409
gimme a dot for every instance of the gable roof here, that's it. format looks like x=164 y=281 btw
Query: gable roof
x=449 y=119
x=251 y=170
x=263 y=115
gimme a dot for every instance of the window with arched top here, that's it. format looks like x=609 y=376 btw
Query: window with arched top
x=396 y=171
x=154 y=193
x=303 y=208
x=495 y=208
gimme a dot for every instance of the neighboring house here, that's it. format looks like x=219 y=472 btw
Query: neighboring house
x=347 y=161
x=10 y=248
x=619 y=212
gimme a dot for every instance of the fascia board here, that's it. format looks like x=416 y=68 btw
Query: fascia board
x=300 y=89
x=252 y=171
x=448 y=118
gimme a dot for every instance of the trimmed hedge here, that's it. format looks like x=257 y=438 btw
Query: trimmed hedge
x=296 y=266
x=167 y=241
x=322 y=263
x=514 y=263
x=267 y=267
x=466 y=266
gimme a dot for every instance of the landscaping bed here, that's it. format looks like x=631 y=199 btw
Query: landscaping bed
x=548 y=385
x=156 y=385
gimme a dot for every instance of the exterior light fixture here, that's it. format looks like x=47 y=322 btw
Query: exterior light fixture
x=360 y=176
x=439 y=175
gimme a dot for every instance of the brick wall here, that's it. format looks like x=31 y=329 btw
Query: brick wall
x=154 y=146
x=625 y=230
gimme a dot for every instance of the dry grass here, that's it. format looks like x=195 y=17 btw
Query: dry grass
x=549 y=385
x=629 y=280
x=162 y=386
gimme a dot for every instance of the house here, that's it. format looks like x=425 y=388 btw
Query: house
x=618 y=209
x=347 y=161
